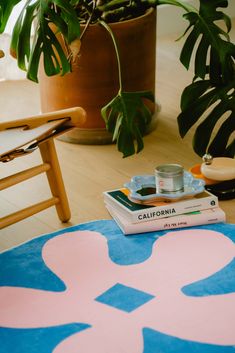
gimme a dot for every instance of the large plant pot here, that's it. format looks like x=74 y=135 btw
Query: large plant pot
x=93 y=81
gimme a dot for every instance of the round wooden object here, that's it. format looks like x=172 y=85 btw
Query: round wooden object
x=221 y=168
x=196 y=172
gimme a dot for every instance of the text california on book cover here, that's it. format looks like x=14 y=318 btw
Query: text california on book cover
x=135 y=212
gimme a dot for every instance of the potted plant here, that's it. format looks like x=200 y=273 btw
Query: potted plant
x=211 y=95
x=114 y=58
x=208 y=103
x=129 y=113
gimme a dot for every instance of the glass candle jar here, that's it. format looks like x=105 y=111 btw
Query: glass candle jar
x=169 y=178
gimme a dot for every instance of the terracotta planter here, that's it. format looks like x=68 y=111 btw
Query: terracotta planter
x=94 y=79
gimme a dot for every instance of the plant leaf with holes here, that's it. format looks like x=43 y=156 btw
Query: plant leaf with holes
x=127 y=118
x=206 y=36
x=210 y=105
x=45 y=42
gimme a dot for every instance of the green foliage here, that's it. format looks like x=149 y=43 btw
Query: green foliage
x=6 y=8
x=217 y=104
x=127 y=117
x=37 y=16
x=209 y=101
x=207 y=104
x=119 y=10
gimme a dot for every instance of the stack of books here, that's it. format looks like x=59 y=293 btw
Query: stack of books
x=135 y=218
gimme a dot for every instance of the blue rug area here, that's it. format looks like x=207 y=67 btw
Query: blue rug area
x=124 y=294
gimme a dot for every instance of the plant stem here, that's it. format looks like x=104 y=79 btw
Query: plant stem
x=105 y=25
x=89 y=19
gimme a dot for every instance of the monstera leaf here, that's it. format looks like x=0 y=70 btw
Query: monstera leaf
x=36 y=17
x=216 y=106
x=210 y=41
x=207 y=104
x=6 y=8
x=209 y=101
x=127 y=118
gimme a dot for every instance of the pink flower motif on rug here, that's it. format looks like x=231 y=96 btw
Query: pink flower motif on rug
x=81 y=260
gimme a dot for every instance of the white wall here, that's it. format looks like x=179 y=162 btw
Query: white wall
x=170 y=20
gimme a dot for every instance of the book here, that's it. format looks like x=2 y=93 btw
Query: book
x=208 y=216
x=135 y=213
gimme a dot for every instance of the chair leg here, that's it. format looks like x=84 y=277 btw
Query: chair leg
x=54 y=176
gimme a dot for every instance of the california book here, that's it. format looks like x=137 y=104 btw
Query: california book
x=135 y=213
x=209 y=216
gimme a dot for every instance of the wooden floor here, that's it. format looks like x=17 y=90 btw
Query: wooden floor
x=89 y=170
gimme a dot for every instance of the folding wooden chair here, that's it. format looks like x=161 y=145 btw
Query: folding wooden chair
x=21 y=137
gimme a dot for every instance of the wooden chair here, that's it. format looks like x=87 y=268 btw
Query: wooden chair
x=21 y=137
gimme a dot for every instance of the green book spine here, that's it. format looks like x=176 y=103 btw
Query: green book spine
x=119 y=196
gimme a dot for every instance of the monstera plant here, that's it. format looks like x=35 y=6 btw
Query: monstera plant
x=207 y=103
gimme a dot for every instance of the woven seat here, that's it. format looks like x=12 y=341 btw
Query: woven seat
x=19 y=138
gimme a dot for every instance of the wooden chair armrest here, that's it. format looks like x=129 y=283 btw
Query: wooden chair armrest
x=74 y=117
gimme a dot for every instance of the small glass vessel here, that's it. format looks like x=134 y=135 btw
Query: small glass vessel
x=169 y=178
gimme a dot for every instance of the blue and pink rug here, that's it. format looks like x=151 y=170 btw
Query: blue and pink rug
x=90 y=289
